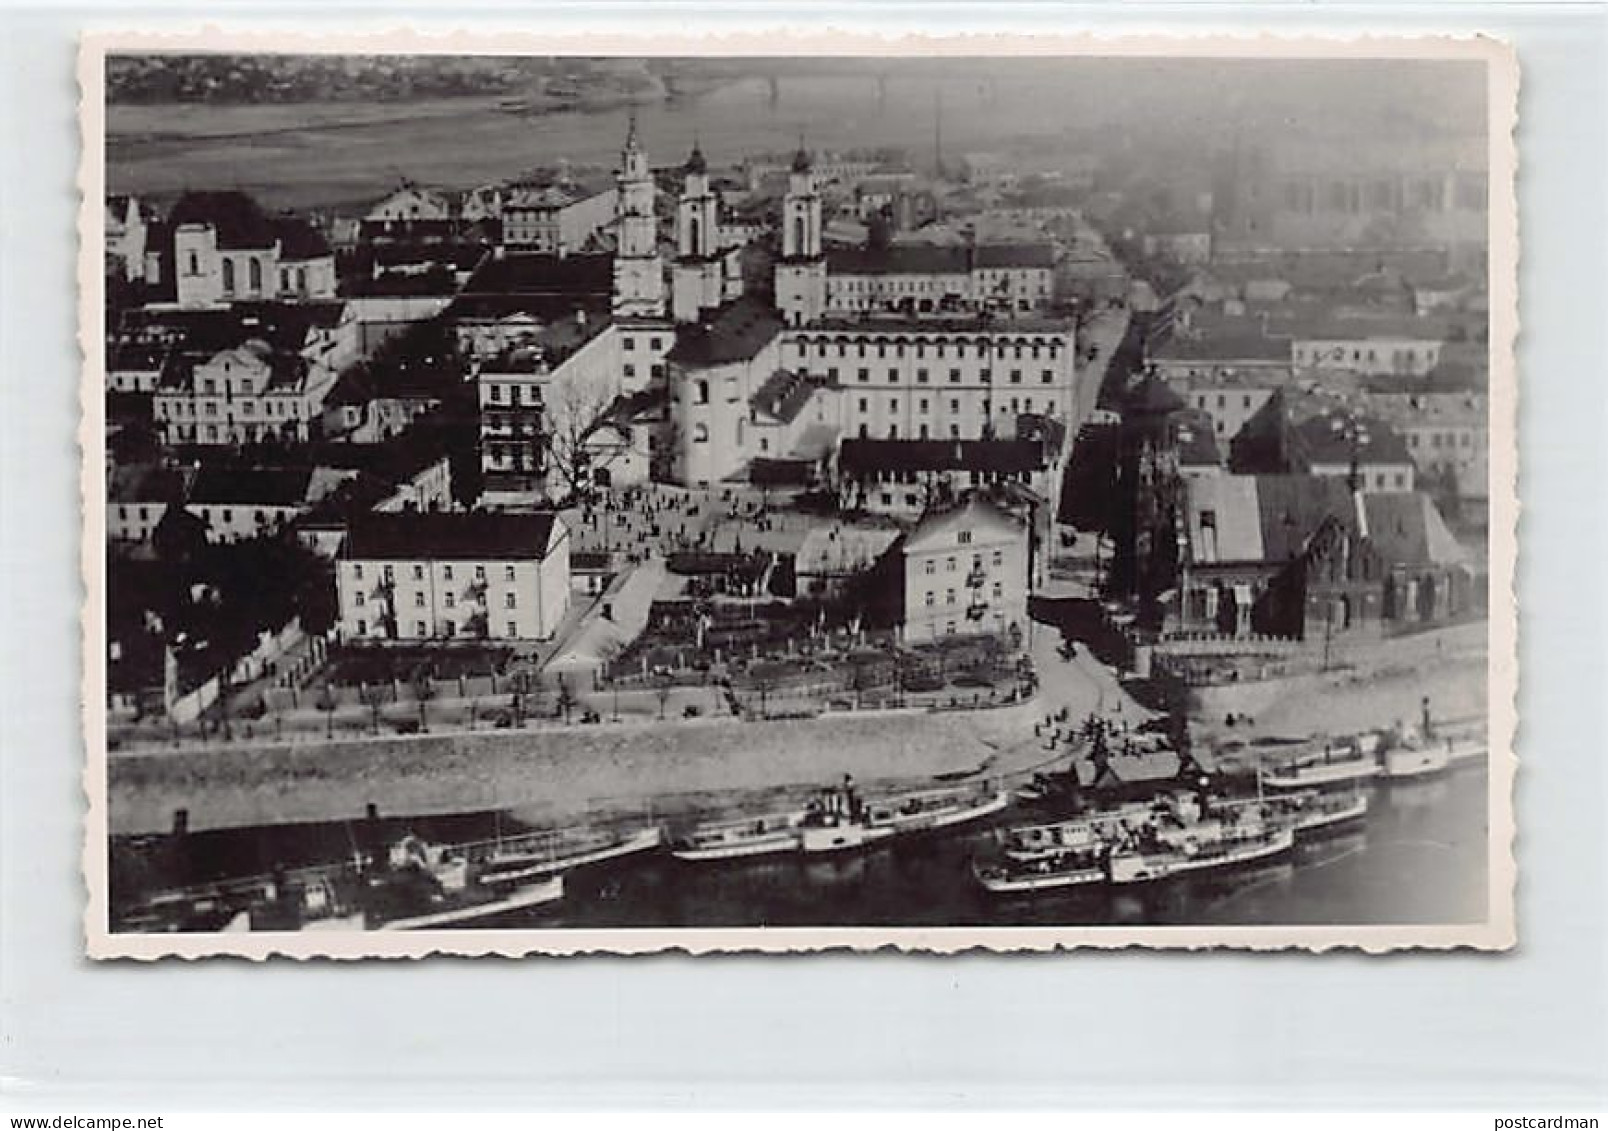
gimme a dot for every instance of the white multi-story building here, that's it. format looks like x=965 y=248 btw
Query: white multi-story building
x=557 y=218
x=951 y=379
x=1228 y=399
x=1402 y=348
x=236 y=504
x=966 y=572
x=241 y=395
x=445 y=576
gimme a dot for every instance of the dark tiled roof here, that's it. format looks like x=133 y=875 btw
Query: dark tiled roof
x=272 y=486
x=238 y=219
x=737 y=332
x=1152 y=397
x=904 y=259
x=1327 y=439
x=1293 y=507
x=145 y=483
x=282 y=324
x=784 y=395
x=136 y=356
x=1224 y=347
x=764 y=472
x=1267 y=443
x=1014 y=255
x=299 y=240
x=434 y=537
x=573 y=275
x=864 y=456
x=1195 y=441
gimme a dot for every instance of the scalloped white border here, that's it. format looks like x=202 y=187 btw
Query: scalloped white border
x=1496 y=934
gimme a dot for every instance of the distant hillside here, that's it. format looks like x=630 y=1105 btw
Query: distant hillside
x=234 y=79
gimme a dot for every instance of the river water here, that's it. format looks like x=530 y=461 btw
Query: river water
x=336 y=154
x=1419 y=856
x=334 y=163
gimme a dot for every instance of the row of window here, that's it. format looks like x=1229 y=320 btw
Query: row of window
x=449 y=599
x=930 y=567
x=1017 y=404
x=420 y=629
x=1319 y=353
x=1046 y=377
x=531 y=395
x=254 y=273
x=179 y=433
x=655 y=344
x=1442 y=439
x=183 y=406
x=1202 y=400
x=949 y=595
x=969 y=478
x=982 y=351
x=389 y=572
x=1469 y=193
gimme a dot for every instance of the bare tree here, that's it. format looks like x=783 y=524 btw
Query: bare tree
x=373 y=696
x=859 y=679
x=763 y=678
x=566 y=698
x=327 y=703
x=572 y=411
x=521 y=683
x=424 y=690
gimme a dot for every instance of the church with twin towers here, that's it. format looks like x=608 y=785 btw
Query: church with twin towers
x=868 y=365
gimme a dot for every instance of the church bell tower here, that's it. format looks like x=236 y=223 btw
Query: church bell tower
x=638 y=270
x=696 y=282
x=801 y=270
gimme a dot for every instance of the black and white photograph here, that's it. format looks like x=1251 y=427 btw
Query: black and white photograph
x=545 y=503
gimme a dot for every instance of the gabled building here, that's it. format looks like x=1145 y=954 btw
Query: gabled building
x=453 y=576
x=965 y=572
x=1303 y=557
x=240 y=503
x=227 y=248
x=560 y=215
x=139 y=495
x=242 y=395
x=906 y=478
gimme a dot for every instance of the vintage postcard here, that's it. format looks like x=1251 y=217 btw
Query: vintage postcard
x=781 y=494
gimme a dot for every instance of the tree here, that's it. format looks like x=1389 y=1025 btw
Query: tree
x=572 y=410
x=763 y=678
x=662 y=683
x=566 y=698
x=521 y=686
x=424 y=690
x=373 y=696
x=859 y=679
x=327 y=703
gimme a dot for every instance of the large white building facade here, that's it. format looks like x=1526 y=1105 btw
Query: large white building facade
x=446 y=576
x=958 y=349
x=965 y=573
